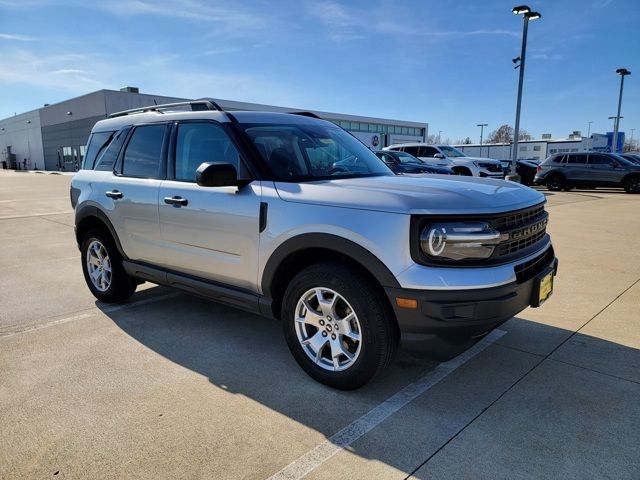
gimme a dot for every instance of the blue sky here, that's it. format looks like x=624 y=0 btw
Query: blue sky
x=447 y=63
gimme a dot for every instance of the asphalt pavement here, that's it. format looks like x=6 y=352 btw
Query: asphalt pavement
x=172 y=386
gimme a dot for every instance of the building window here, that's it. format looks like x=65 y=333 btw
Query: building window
x=523 y=148
x=553 y=150
x=574 y=149
x=536 y=148
x=83 y=149
x=67 y=156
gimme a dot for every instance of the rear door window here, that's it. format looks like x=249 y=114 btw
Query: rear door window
x=143 y=153
x=412 y=150
x=98 y=141
x=576 y=159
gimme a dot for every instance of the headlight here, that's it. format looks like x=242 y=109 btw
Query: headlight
x=459 y=241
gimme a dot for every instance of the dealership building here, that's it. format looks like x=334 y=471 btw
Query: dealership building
x=54 y=137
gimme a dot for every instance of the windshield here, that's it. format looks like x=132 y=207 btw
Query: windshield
x=451 y=152
x=407 y=158
x=633 y=158
x=298 y=153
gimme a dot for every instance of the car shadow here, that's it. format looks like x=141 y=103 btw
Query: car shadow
x=246 y=354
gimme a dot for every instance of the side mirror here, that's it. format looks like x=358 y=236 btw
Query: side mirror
x=614 y=163
x=214 y=174
x=439 y=155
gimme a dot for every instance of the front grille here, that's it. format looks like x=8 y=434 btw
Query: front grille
x=523 y=217
x=492 y=167
x=529 y=269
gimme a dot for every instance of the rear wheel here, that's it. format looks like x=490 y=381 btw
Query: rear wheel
x=337 y=326
x=632 y=184
x=555 y=182
x=103 y=270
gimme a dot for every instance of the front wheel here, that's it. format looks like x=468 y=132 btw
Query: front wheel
x=103 y=270
x=632 y=185
x=337 y=326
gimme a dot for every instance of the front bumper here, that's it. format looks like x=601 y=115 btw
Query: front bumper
x=463 y=313
x=488 y=174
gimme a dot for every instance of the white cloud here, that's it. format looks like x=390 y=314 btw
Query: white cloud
x=19 y=38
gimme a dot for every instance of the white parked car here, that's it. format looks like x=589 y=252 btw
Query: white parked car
x=448 y=156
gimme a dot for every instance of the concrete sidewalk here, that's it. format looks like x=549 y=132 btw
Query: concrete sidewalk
x=169 y=385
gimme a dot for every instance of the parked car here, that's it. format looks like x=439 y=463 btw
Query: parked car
x=525 y=169
x=448 y=156
x=247 y=209
x=402 y=162
x=567 y=171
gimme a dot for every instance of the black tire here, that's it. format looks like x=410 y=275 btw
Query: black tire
x=555 y=182
x=121 y=285
x=379 y=331
x=632 y=184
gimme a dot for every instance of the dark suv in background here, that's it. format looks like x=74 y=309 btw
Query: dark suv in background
x=566 y=171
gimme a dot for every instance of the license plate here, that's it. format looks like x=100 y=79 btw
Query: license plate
x=546 y=288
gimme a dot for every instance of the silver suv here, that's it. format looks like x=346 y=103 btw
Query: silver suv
x=248 y=209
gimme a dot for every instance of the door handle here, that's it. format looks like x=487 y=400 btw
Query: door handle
x=115 y=194
x=177 y=201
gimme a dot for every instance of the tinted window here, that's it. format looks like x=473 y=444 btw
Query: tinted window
x=599 y=160
x=576 y=159
x=106 y=159
x=97 y=143
x=202 y=142
x=143 y=152
x=411 y=151
x=427 y=152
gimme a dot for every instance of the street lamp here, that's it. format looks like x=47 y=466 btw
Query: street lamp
x=439 y=132
x=527 y=15
x=615 y=119
x=622 y=72
x=481 y=125
x=589 y=136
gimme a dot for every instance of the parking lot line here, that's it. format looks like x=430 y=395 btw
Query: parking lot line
x=352 y=432
x=80 y=316
x=13 y=217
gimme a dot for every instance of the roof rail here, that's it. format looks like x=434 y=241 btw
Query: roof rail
x=306 y=114
x=196 y=105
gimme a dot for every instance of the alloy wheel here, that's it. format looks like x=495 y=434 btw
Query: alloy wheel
x=328 y=329
x=99 y=266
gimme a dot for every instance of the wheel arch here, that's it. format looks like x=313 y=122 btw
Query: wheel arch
x=307 y=249
x=89 y=217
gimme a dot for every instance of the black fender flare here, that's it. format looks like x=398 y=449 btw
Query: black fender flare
x=326 y=241
x=91 y=211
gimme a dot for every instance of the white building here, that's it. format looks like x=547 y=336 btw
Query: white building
x=537 y=149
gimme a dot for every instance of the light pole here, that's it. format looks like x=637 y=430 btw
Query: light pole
x=527 y=14
x=622 y=72
x=439 y=132
x=481 y=125
x=589 y=136
x=615 y=119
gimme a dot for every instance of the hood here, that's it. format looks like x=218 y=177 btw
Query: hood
x=425 y=194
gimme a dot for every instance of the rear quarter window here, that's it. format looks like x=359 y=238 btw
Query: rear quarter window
x=98 y=141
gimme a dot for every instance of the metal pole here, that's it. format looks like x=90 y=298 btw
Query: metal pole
x=516 y=132
x=614 y=147
x=589 y=136
x=481 y=125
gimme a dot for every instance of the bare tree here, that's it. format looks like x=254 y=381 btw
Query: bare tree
x=504 y=134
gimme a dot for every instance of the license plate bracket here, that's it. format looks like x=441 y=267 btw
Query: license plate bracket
x=542 y=287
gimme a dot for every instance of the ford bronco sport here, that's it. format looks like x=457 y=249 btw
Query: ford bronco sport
x=247 y=208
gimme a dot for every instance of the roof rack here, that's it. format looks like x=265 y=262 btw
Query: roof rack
x=196 y=106
x=306 y=114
